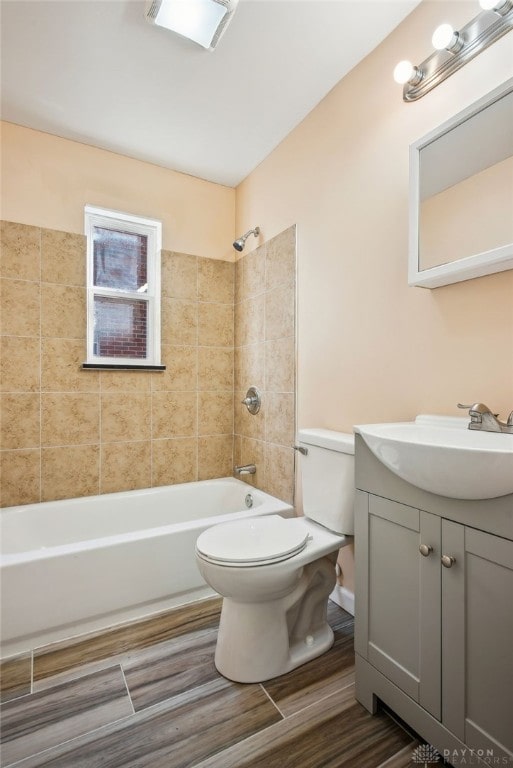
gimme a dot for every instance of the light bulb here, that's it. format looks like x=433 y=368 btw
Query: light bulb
x=445 y=38
x=442 y=36
x=499 y=6
x=403 y=72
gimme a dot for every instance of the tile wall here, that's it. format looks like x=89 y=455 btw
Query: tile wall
x=67 y=432
x=265 y=293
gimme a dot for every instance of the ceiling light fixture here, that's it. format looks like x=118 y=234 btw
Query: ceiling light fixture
x=454 y=49
x=202 y=21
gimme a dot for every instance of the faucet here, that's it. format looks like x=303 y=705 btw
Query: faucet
x=483 y=419
x=245 y=469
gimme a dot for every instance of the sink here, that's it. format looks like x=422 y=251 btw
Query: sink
x=440 y=455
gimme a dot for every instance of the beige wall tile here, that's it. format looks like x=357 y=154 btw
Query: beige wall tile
x=125 y=466
x=281 y=258
x=215 y=325
x=181 y=369
x=63 y=257
x=250 y=321
x=70 y=471
x=279 y=471
x=215 y=413
x=253 y=279
x=126 y=381
x=20 y=251
x=61 y=367
x=20 y=368
x=237 y=450
x=63 y=311
x=174 y=461
x=215 y=457
x=70 y=419
x=125 y=418
x=174 y=414
x=280 y=365
x=193 y=396
x=240 y=322
x=20 y=308
x=179 y=322
x=21 y=477
x=215 y=368
x=280 y=312
x=279 y=418
x=216 y=280
x=179 y=275
x=20 y=421
x=238 y=278
x=250 y=367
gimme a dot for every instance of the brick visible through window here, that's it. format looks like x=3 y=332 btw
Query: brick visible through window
x=120 y=327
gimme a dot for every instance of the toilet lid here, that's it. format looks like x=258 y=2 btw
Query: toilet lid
x=266 y=539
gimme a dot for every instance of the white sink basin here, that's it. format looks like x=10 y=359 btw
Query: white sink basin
x=442 y=456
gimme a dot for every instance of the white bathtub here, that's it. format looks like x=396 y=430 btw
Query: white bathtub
x=77 y=565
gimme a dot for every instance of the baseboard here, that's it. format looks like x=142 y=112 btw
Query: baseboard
x=343 y=597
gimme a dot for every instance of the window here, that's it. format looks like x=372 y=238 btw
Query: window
x=123 y=290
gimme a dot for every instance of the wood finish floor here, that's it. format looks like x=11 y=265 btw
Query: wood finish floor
x=166 y=706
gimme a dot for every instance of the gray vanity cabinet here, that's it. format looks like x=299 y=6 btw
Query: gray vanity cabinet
x=435 y=642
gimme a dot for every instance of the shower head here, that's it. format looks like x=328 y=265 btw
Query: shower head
x=241 y=242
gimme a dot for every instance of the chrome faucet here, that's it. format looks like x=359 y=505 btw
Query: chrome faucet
x=483 y=419
x=245 y=469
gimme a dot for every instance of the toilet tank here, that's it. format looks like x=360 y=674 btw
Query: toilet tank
x=327 y=478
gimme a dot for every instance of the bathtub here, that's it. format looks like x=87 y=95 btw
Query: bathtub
x=78 y=565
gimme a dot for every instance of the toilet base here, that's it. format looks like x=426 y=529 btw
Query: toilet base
x=258 y=641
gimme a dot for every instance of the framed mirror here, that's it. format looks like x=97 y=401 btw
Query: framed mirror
x=461 y=195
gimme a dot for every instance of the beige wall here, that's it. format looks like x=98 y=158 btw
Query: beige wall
x=369 y=347
x=46 y=181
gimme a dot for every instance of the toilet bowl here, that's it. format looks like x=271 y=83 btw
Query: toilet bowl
x=275 y=574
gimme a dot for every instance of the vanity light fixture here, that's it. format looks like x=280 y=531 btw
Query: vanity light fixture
x=454 y=49
x=202 y=21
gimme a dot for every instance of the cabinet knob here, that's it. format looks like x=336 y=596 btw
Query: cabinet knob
x=448 y=561
x=425 y=549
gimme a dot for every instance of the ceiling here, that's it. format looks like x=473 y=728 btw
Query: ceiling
x=97 y=72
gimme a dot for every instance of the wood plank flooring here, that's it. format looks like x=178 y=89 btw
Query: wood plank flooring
x=164 y=705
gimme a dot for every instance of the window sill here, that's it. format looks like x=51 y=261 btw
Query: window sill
x=122 y=367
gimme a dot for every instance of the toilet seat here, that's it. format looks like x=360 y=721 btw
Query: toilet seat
x=251 y=542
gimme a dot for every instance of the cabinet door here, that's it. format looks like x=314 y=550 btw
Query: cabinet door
x=400 y=594
x=478 y=639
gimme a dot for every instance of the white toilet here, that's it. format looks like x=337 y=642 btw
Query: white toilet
x=276 y=574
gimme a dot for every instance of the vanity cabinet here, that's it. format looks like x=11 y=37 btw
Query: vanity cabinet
x=434 y=611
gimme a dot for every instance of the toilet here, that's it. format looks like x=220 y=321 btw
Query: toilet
x=275 y=574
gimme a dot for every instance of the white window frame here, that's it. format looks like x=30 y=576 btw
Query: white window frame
x=152 y=229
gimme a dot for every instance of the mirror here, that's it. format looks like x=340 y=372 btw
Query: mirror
x=461 y=195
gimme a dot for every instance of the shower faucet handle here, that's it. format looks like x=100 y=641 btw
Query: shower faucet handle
x=253 y=400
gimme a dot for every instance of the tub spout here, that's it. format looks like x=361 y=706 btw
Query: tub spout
x=245 y=469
